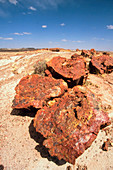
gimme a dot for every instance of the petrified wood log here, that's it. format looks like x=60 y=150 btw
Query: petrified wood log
x=34 y=90
x=86 y=53
x=73 y=70
x=71 y=123
x=101 y=64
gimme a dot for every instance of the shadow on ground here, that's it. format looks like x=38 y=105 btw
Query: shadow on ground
x=41 y=148
x=1 y=167
x=31 y=112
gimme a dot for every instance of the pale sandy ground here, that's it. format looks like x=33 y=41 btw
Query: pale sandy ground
x=20 y=144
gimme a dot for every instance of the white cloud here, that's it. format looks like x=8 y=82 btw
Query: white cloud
x=44 y=26
x=32 y=8
x=62 y=24
x=95 y=38
x=17 y=33
x=2 y=38
x=64 y=40
x=78 y=41
x=23 y=33
x=13 y=2
x=50 y=42
x=110 y=27
x=26 y=33
x=26 y=13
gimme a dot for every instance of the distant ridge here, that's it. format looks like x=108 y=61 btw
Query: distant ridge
x=32 y=49
x=16 y=49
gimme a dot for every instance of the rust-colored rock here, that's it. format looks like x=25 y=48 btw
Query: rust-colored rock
x=93 y=51
x=106 y=144
x=86 y=53
x=59 y=50
x=73 y=70
x=35 y=91
x=101 y=64
x=71 y=123
x=77 y=50
x=106 y=53
x=48 y=73
x=55 y=49
x=76 y=56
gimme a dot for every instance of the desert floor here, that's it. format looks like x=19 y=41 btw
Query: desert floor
x=20 y=144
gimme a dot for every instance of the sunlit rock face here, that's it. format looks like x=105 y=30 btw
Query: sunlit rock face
x=101 y=64
x=36 y=91
x=73 y=70
x=68 y=114
x=70 y=123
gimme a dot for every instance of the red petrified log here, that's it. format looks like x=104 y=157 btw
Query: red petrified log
x=71 y=124
x=76 y=56
x=70 y=70
x=93 y=51
x=48 y=73
x=102 y=64
x=77 y=50
x=86 y=53
x=34 y=90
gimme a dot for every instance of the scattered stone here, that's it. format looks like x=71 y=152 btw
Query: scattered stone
x=77 y=50
x=86 y=53
x=105 y=145
x=55 y=49
x=69 y=168
x=106 y=53
x=73 y=70
x=93 y=51
x=59 y=50
x=76 y=56
x=82 y=167
x=71 y=123
x=48 y=73
x=34 y=90
x=101 y=64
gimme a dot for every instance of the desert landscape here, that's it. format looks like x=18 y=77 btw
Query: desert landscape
x=21 y=146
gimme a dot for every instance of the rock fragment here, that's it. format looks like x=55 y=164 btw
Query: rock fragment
x=73 y=70
x=106 y=144
x=35 y=90
x=101 y=64
x=71 y=123
x=86 y=53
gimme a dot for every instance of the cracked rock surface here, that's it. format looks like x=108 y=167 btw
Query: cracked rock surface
x=34 y=90
x=101 y=64
x=71 y=123
x=73 y=70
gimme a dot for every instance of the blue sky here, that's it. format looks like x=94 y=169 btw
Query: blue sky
x=72 y=24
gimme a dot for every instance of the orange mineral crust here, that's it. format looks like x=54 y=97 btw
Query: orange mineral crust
x=70 y=70
x=34 y=90
x=71 y=123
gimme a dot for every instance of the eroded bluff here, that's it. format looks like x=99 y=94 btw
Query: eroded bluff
x=34 y=90
x=70 y=123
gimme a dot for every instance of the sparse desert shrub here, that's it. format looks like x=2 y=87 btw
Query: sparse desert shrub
x=40 y=67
